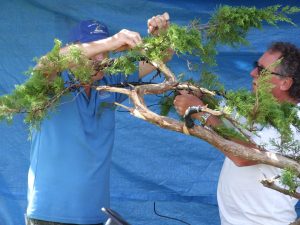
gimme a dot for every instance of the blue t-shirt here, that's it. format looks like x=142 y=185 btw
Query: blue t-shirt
x=68 y=179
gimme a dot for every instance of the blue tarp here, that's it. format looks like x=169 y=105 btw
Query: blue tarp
x=150 y=164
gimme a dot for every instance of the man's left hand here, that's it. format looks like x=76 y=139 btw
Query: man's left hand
x=158 y=23
x=184 y=100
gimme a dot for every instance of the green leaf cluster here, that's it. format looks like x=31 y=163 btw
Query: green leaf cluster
x=230 y=25
x=289 y=149
x=182 y=40
x=31 y=98
x=289 y=178
x=211 y=82
x=260 y=107
x=125 y=64
x=229 y=133
x=40 y=92
x=84 y=67
x=166 y=104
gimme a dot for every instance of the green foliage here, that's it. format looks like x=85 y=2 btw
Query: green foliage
x=31 y=98
x=289 y=149
x=84 y=67
x=210 y=81
x=166 y=104
x=229 y=133
x=230 y=25
x=52 y=61
x=243 y=101
x=289 y=178
x=38 y=93
x=184 y=40
x=260 y=107
x=124 y=64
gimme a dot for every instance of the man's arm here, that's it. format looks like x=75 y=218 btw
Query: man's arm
x=183 y=101
x=155 y=25
x=123 y=39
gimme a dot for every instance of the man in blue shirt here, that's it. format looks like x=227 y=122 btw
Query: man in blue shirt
x=68 y=179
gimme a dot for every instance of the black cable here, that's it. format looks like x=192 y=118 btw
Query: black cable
x=167 y=217
x=128 y=84
x=158 y=73
x=189 y=122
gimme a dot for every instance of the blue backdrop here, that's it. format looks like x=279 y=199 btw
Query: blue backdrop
x=150 y=164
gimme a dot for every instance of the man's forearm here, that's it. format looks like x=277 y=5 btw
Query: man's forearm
x=93 y=48
x=214 y=121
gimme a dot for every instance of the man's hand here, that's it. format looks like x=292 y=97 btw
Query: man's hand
x=155 y=25
x=183 y=101
x=125 y=39
x=158 y=23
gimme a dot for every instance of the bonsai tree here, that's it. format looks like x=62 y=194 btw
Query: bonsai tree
x=227 y=26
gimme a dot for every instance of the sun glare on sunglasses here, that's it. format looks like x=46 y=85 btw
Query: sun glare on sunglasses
x=260 y=69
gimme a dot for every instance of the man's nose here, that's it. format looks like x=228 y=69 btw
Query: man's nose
x=254 y=72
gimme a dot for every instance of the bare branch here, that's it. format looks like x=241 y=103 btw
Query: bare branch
x=270 y=183
x=297 y=222
x=141 y=111
x=194 y=88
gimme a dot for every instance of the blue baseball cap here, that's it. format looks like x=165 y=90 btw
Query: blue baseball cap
x=87 y=31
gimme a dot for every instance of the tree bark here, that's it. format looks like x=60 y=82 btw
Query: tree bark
x=140 y=110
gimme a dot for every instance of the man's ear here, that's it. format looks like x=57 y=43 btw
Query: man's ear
x=286 y=83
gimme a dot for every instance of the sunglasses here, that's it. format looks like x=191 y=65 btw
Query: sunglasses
x=260 y=69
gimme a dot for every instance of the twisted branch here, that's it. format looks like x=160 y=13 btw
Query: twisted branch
x=140 y=110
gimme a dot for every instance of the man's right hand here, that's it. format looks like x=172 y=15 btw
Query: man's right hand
x=125 y=39
x=183 y=101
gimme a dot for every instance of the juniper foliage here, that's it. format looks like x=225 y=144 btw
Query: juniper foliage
x=227 y=26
